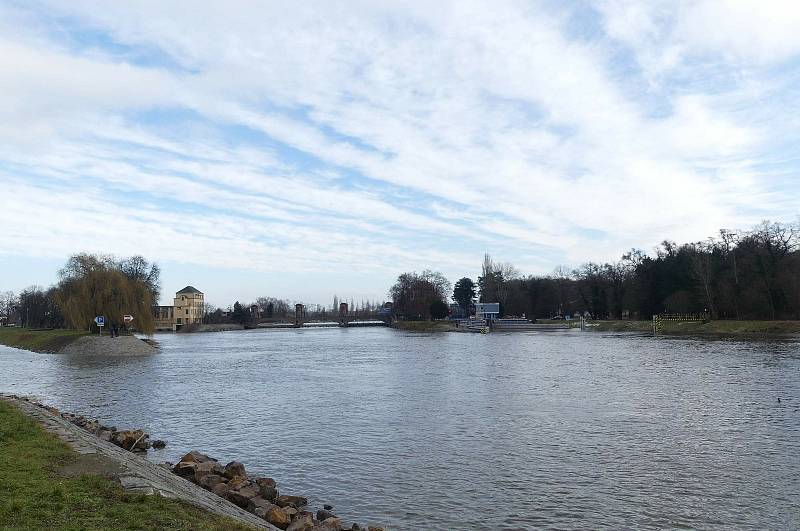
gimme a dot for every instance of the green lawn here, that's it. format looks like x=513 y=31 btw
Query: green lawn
x=698 y=327
x=38 y=340
x=34 y=495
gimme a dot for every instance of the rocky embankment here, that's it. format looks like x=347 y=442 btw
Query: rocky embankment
x=259 y=495
x=132 y=440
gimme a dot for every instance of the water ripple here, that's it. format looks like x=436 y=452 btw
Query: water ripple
x=455 y=431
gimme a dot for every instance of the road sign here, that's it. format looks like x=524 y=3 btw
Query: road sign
x=100 y=320
x=127 y=318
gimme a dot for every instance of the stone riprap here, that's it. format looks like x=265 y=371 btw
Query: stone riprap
x=196 y=478
x=258 y=495
x=132 y=440
x=136 y=474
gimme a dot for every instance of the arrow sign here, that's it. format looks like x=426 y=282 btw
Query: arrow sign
x=127 y=318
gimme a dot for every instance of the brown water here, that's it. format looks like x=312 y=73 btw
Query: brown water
x=468 y=431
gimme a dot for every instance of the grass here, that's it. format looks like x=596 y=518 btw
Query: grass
x=34 y=496
x=38 y=340
x=754 y=328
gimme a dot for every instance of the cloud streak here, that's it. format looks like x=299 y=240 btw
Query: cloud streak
x=394 y=136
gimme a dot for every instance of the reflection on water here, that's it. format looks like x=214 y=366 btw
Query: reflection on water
x=467 y=431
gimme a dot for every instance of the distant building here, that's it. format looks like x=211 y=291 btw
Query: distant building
x=164 y=317
x=186 y=309
x=487 y=310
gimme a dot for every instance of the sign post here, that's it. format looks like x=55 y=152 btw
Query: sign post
x=100 y=321
x=127 y=319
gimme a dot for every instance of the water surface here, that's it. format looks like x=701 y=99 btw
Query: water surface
x=467 y=431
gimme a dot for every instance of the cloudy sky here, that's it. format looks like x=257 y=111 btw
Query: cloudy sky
x=302 y=149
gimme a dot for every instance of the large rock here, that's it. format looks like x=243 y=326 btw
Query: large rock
x=266 y=481
x=233 y=469
x=131 y=439
x=323 y=514
x=332 y=524
x=239 y=482
x=259 y=503
x=285 y=500
x=185 y=470
x=242 y=497
x=207 y=468
x=269 y=493
x=196 y=457
x=209 y=481
x=302 y=521
x=278 y=517
x=221 y=490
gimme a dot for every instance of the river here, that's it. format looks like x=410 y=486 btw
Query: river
x=467 y=431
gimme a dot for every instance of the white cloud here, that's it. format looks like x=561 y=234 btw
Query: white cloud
x=402 y=132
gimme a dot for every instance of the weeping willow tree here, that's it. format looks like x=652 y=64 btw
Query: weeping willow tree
x=92 y=285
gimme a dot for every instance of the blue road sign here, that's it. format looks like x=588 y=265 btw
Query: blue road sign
x=100 y=320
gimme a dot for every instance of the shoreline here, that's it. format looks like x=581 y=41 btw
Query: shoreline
x=97 y=482
x=196 y=479
x=48 y=341
x=744 y=329
x=75 y=342
x=727 y=328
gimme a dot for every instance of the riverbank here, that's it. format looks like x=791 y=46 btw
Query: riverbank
x=736 y=328
x=196 y=479
x=39 y=340
x=425 y=326
x=48 y=485
x=109 y=346
x=75 y=342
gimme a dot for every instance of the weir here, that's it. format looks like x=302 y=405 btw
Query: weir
x=344 y=319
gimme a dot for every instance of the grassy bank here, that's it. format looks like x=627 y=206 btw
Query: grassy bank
x=38 y=340
x=35 y=494
x=424 y=326
x=754 y=328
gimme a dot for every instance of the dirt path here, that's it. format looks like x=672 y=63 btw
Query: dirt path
x=134 y=473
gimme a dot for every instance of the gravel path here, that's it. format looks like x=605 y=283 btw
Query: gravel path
x=133 y=472
x=109 y=346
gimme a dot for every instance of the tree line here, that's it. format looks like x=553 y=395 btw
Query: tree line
x=750 y=274
x=89 y=285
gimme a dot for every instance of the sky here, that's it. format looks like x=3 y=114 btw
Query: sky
x=305 y=149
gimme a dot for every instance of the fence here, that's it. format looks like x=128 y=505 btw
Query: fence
x=659 y=319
